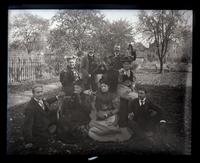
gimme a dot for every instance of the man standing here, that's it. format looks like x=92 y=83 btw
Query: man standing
x=114 y=60
x=88 y=67
x=113 y=63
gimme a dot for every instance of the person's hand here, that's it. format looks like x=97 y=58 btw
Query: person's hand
x=121 y=71
x=29 y=145
x=163 y=127
x=60 y=95
x=110 y=113
x=77 y=89
x=88 y=92
x=130 y=116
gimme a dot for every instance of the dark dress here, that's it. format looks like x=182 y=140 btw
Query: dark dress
x=73 y=115
x=74 y=110
x=68 y=79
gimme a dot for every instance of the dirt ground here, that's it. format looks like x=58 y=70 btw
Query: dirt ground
x=174 y=99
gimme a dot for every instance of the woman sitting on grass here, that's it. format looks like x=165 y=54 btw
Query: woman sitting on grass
x=104 y=125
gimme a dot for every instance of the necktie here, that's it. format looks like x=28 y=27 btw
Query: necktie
x=41 y=104
x=142 y=102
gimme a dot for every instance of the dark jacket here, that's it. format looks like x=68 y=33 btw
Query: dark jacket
x=37 y=121
x=88 y=64
x=114 y=62
x=142 y=114
x=68 y=79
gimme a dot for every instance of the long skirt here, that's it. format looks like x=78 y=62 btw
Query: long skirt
x=108 y=130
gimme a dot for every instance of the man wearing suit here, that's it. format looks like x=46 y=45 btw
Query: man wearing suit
x=39 y=119
x=114 y=61
x=88 y=66
x=144 y=117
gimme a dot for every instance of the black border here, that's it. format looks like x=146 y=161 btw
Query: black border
x=75 y=4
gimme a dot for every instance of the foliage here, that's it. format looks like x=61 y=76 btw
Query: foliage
x=160 y=27
x=80 y=30
x=26 y=31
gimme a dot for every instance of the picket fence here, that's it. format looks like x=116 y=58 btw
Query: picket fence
x=24 y=68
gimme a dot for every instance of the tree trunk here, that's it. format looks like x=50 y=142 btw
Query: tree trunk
x=161 y=65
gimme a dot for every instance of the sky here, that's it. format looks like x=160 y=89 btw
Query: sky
x=110 y=15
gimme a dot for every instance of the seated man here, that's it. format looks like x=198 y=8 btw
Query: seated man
x=39 y=119
x=144 y=117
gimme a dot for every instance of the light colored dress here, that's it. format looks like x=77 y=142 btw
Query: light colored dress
x=104 y=126
x=125 y=87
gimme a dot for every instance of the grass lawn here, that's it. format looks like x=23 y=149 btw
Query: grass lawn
x=171 y=98
x=27 y=85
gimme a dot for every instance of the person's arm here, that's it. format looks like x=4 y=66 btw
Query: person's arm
x=62 y=75
x=28 y=124
x=131 y=108
x=83 y=63
x=53 y=99
x=134 y=81
x=159 y=111
x=116 y=105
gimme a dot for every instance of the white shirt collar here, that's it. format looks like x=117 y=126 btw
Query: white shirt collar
x=140 y=101
x=40 y=102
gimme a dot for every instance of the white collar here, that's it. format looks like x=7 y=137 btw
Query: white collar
x=142 y=101
x=37 y=100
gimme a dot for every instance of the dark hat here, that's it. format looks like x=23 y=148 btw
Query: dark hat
x=79 y=53
x=71 y=57
x=104 y=80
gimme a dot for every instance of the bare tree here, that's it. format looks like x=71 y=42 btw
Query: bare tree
x=160 y=27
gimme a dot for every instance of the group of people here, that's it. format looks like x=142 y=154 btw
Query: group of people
x=100 y=100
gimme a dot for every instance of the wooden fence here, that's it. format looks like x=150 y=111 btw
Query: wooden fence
x=23 y=68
